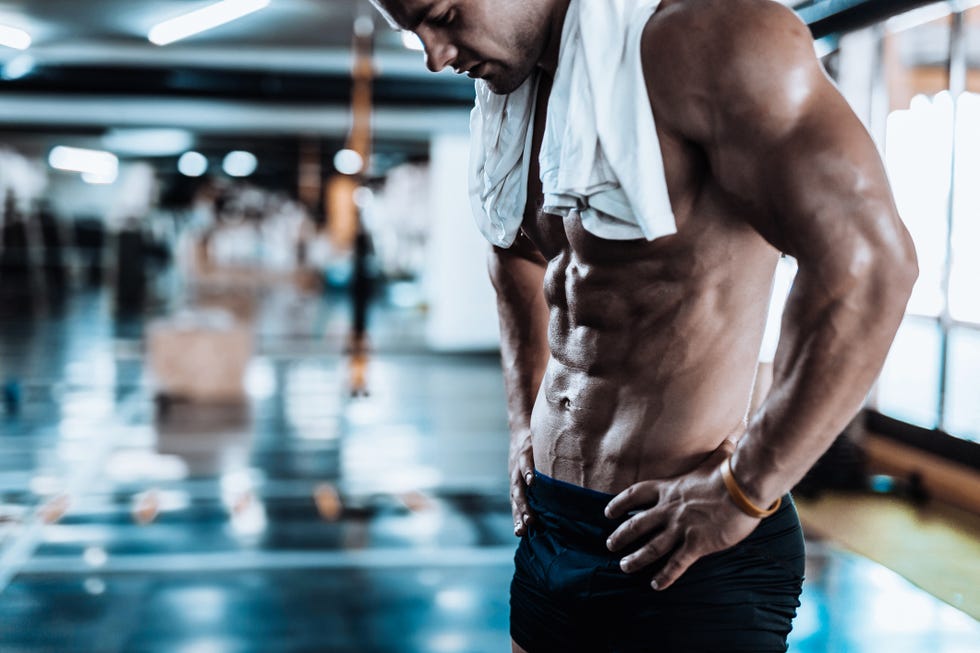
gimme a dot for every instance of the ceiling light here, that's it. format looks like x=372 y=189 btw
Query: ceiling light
x=192 y=164
x=348 y=162
x=412 y=41
x=203 y=19
x=148 y=142
x=15 y=38
x=240 y=164
x=20 y=66
x=96 y=166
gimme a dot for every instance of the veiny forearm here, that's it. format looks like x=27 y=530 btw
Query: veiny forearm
x=523 y=316
x=834 y=342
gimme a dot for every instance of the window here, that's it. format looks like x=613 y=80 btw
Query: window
x=918 y=156
x=930 y=73
x=963 y=384
x=909 y=386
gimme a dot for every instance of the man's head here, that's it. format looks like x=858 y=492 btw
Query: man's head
x=500 y=41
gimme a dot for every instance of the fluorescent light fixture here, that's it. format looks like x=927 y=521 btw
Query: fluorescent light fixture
x=412 y=41
x=96 y=166
x=148 y=142
x=203 y=19
x=240 y=164
x=192 y=164
x=15 y=38
x=75 y=159
x=20 y=66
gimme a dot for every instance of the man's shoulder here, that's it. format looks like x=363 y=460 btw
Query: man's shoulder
x=699 y=54
x=725 y=21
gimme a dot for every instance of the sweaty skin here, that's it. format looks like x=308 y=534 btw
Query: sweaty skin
x=629 y=364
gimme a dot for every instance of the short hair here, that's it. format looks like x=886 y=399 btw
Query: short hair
x=392 y=23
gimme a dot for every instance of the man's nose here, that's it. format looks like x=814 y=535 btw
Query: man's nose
x=439 y=53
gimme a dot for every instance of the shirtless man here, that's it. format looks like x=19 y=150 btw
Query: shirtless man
x=629 y=363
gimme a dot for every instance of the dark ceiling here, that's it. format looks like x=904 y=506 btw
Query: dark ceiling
x=293 y=51
x=281 y=73
x=284 y=69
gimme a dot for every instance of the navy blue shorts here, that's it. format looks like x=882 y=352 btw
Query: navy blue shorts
x=569 y=594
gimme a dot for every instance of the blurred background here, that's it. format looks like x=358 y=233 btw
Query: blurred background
x=251 y=393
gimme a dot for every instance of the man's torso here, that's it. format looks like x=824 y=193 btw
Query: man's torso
x=653 y=344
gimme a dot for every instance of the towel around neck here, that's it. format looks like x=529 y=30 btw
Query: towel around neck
x=600 y=155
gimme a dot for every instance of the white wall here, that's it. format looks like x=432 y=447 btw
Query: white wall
x=462 y=305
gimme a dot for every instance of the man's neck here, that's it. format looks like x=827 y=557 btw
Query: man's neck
x=549 y=58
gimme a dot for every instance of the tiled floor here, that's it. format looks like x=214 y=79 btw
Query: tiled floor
x=305 y=521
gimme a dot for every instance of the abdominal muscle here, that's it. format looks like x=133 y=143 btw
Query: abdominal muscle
x=618 y=435
x=651 y=367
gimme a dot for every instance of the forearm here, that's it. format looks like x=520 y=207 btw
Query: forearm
x=523 y=314
x=832 y=348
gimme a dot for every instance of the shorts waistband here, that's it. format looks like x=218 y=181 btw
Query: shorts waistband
x=585 y=505
x=569 y=500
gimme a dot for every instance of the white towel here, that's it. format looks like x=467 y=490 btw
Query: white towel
x=600 y=155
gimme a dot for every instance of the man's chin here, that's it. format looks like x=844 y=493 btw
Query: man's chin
x=503 y=86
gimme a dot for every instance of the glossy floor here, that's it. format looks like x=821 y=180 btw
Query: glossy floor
x=303 y=521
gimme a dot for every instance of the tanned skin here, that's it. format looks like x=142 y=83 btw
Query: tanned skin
x=629 y=364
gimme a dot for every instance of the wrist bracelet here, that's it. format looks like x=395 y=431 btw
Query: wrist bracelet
x=739 y=498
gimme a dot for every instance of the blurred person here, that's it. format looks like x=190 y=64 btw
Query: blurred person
x=52 y=241
x=639 y=167
x=15 y=256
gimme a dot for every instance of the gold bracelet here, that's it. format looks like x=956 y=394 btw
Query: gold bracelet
x=739 y=498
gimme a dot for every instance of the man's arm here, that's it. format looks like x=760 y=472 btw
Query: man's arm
x=786 y=141
x=518 y=276
x=785 y=147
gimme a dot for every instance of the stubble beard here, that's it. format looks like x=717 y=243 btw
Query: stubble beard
x=506 y=82
x=528 y=49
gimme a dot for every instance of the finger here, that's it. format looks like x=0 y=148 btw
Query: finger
x=649 y=552
x=645 y=493
x=675 y=568
x=519 y=506
x=526 y=464
x=635 y=527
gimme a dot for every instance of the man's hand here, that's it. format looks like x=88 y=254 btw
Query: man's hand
x=682 y=519
x=521 y=476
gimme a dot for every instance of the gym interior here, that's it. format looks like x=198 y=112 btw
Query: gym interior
x=252 y=397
